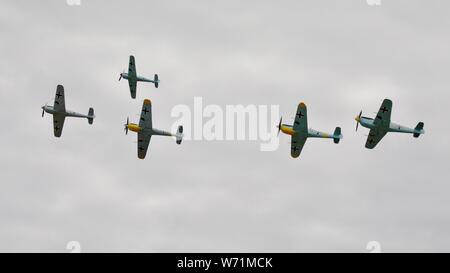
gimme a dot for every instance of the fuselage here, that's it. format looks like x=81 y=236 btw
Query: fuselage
x=51 y=110
x=393 y=127
x=148 y=131
x=138 y=78
x=289 y=130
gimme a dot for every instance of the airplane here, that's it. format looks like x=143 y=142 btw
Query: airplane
x=299 y=131
x=382 y=125
x=133 y=78
x=59 y=112
x=145 y=129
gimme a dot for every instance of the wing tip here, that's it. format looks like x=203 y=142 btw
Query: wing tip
x=369 y=147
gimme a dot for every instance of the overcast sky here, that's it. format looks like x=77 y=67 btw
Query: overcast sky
x=337 y=56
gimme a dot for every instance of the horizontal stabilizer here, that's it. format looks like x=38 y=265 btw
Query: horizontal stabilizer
x=179 y=135
x=91 y=115
x=337 y=135
x=156 y=80
x=419 y=129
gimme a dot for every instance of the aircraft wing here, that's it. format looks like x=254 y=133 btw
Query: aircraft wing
x=145 y=122
x=146 y=115
x=132 y=76
x=383 y=117
x=58 y=124
x=375 y=136
x=133 y=85
x=59 y=104
x=132 y=67
x=301 y=119
x=297 y=144
x=143 y=141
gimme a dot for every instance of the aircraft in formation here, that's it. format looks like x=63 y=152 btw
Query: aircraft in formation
x=300 y=132
x=133 y=78
x=59 y=112
x=382 y=125
x=145 y=130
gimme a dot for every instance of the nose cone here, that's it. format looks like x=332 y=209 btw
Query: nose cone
x=358 y=118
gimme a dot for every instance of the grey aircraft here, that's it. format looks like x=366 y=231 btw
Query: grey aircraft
x=59 y=112
x=382 y=125
x=145 y=129
x=299 y=132
x=133 y=78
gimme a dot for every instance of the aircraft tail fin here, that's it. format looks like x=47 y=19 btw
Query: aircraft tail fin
x=91 y=115
x=156 y=80
x=179 y=134
x=337 y=135
x=419 y=130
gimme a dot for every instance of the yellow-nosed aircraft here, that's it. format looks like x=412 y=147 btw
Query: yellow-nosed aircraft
x=299 y=132
x=145 y=129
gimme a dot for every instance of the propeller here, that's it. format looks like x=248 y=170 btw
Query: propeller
x=279 y=126
x=121 y=75
x=126 y=126
x=358 y=120
x=43 y=107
